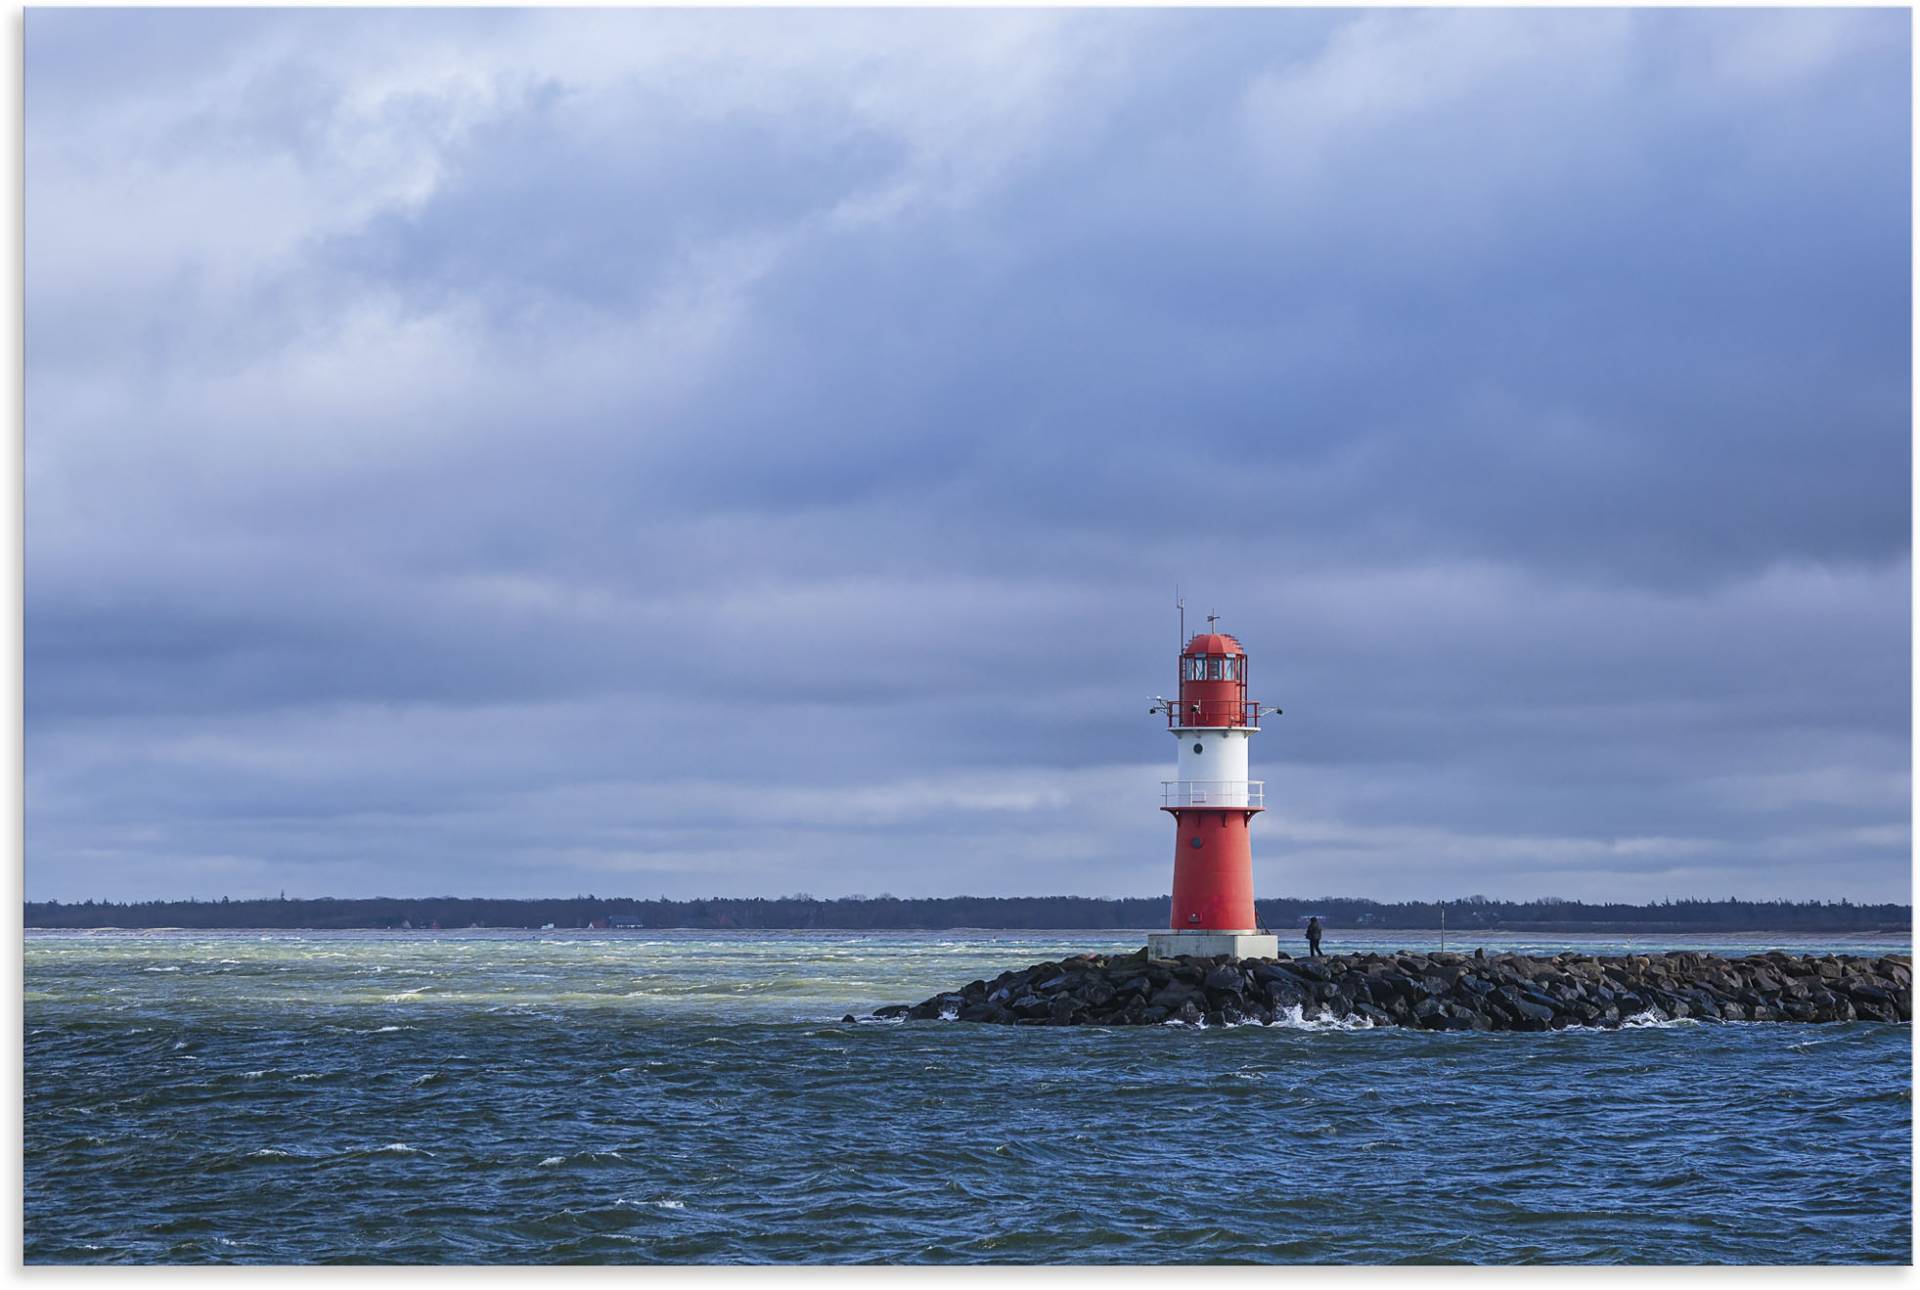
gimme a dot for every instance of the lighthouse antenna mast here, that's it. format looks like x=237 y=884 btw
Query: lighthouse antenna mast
x=1180 y=603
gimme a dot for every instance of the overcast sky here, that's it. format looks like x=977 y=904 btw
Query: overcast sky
x=754 y=452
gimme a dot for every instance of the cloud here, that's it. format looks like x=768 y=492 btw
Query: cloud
x=461 y=446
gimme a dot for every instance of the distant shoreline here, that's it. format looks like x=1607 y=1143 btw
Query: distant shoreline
x=1464 y=918
x=1464 y=937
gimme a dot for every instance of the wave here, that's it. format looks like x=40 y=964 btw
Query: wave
x=583 y=1158
x=1651 y=1020
x=1294 y=1018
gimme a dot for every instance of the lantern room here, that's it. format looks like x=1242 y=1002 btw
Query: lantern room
x=1213 y=685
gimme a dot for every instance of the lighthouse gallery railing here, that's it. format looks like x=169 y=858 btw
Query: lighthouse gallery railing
x=1208 y=713
x=1213 y=792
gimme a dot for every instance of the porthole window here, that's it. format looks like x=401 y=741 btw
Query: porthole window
x=1199 y=747
x=1194 y=843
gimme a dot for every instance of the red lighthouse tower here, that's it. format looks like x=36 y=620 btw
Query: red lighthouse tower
x=1213 y=804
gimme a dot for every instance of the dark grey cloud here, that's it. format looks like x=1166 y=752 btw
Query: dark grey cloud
x=743 y=452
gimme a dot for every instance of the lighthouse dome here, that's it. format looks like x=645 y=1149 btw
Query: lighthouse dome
x=1214 y=643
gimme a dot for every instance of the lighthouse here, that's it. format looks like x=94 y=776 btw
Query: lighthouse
x=1213 y=804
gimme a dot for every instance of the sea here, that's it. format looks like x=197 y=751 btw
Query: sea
x=523 y=1097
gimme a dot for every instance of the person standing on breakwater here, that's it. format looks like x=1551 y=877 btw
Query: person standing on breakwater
x=1313 y=937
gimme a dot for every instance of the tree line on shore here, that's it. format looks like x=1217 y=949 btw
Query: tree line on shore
x=861 y=913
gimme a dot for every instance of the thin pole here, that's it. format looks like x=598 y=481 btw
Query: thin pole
x=1443 y=928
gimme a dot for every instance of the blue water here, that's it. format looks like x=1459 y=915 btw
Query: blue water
x=642 y=1097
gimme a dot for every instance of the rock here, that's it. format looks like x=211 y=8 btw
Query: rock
x=1172 y=996
x=1375 y=1016
x=1525 y=1005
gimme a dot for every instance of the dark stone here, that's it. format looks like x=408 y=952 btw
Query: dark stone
x=1526 y=1005
x=1173 y=995
x=1376 y=1016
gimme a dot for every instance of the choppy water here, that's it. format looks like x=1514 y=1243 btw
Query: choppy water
x=621 y=1096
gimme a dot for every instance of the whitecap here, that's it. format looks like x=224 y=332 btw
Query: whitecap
x=553 y=1160
x=1651 y=1020
x=1295 y=1018
x=399 y=1149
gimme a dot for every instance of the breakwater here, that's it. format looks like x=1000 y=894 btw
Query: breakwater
x=1434 y=991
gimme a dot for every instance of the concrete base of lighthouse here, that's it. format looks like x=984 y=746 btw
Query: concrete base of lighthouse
x=1239 y=945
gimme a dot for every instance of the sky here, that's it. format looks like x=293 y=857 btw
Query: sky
x=745 y=453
